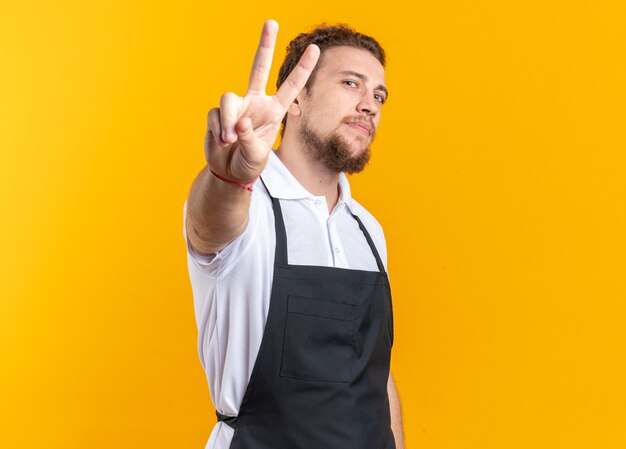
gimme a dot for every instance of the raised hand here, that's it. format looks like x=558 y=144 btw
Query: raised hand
x=242 y=130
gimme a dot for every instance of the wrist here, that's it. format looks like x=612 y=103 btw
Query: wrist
x=243 y=185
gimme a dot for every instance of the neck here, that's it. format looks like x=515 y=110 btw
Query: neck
x=312 y=174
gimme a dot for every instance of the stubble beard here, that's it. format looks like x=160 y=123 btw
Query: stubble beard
x=333 y=151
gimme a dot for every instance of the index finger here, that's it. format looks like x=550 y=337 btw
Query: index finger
x=263 y=58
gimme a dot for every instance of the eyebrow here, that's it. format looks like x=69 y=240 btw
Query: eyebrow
x=364 y=79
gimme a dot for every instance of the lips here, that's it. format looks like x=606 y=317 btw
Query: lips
x=362 y=127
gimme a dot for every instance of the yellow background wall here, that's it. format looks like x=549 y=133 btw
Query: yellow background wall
x=498 y=174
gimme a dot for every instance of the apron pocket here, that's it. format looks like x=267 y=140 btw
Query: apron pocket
x=318 y=344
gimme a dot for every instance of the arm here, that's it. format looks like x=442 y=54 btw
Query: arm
x=217 y=212
x=396 y=413
x=239 y=138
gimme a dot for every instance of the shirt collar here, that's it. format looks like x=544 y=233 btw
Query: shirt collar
x=345 y=195
x=283 y=185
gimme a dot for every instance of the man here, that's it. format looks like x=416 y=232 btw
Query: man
x=288 y=272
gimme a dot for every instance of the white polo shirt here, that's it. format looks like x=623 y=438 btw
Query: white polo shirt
x=231 y=289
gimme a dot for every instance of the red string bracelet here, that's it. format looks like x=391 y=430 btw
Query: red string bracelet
x=247 y=186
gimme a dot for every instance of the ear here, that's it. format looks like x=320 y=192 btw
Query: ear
x=294 y=108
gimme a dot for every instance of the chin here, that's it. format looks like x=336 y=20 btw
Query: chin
x=358 y=148
x=338 y=152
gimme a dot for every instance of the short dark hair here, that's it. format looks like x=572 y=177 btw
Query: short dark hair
x=325 y=37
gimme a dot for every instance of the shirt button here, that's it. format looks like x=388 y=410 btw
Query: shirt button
x=337 y=250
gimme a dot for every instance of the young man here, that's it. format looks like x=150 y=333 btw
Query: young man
x=290 y=289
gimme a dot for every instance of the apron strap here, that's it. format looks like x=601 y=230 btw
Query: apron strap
x=370 y=242
x=279 y=224
x=230 y=421
x=281 y=234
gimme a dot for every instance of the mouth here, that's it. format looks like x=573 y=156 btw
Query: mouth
x=361 y=127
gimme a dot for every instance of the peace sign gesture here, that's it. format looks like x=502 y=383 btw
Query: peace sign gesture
x=242 y=130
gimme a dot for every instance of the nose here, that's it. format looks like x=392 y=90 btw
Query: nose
x=367 y=105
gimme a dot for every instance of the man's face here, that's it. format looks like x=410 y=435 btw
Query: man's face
x=341 y=110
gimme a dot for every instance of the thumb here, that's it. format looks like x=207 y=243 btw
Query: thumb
x=245 y=133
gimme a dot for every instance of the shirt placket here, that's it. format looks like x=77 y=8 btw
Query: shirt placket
x=336 y=248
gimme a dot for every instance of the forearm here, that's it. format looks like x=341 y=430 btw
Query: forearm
x=217 y=212
x=396 y=414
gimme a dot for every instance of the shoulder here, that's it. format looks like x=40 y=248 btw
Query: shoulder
x=374 y=228
x=366 y=217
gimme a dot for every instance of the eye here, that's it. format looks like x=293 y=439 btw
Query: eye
x=380 y=98
x=354 y=83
